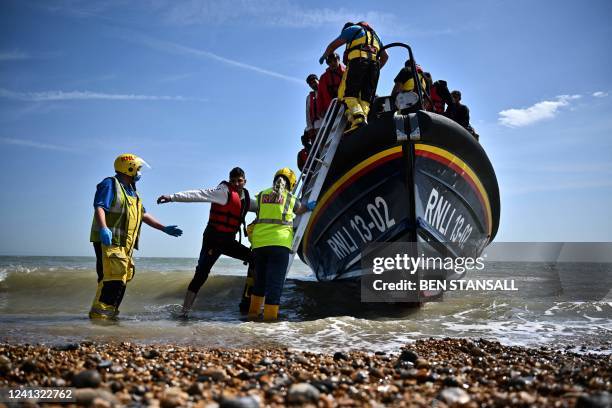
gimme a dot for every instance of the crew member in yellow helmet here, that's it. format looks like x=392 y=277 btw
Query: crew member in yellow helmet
x=118 y=215
x=363 y=57
x=271 y=240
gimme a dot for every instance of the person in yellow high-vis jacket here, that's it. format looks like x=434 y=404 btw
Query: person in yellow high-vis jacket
x=363 y=57
x=271 y=239
x=118 y=215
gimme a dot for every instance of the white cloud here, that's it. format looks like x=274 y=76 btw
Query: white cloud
x=540 y=111
x=600 y=94
x=34 y=144
x=47 y=96
x=13 y=56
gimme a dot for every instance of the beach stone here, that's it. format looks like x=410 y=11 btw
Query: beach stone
x=28 y=366
x=239 y=402
x=360 y=377
x=195 y=389
x=150 y=354
x=214 y=374
x=87 y=396
x=5 y=364
x=173 y=397
x=67 y=347
x=454 y=396
x=408 y=355
x=104 y=364
x=87 y=379
x=266 y=361
x=116 y=386
x=338 y=355
x=421 y=363
x=302 y=393
x=326 y=386
x=598 y=400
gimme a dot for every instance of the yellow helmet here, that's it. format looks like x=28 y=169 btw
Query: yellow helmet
x=129 y=164
x=289 y=174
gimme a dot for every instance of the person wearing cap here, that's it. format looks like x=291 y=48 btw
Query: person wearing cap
x=363 y=57
x=271 y=241
x=404 y=80
x=313 y=121
x=230 y=201
x=329 y=83
x=458 y=111
x=115 y=229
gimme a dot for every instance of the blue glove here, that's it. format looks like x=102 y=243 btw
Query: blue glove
x=106 y=236
x=311 y=205
x=173 y=230
x=321 y=59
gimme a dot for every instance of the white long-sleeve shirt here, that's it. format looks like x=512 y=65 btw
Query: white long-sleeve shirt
x=218 y=195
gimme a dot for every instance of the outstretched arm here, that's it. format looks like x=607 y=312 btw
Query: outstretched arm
x=212 y=195
x=169 y=229
x=331 y=48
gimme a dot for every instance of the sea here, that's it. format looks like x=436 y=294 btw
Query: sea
x=45 y=300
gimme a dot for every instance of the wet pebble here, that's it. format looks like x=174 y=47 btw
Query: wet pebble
x=302 y=393
x=408 y=355
x=597 y=400
x=240 y=402
x=150 y=354
x=454 y=396
x=104 y=364
x=87 y=379
x=339 y=355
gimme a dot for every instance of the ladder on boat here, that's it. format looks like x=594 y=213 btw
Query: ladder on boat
x=322 y=152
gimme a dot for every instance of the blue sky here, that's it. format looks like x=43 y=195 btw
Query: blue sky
x=197 y=87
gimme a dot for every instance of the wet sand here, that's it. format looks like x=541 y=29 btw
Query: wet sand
x=433 y=372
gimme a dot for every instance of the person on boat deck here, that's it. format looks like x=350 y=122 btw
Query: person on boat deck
x=230 y=202
x=363 y=57
x=329 y=83
x=271 y=240
x=440 y=96
x=404 y=81
x=460 y=113
x=115 y=229
x=313 y=122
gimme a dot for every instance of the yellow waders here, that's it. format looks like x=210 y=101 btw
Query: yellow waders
x=118 y=266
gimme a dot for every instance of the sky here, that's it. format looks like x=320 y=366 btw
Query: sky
x=198 y=87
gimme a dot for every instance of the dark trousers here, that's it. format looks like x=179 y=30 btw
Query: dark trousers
x=215 y=244
x=361 y=79
x=270 y=268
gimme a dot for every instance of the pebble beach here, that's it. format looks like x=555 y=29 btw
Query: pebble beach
x=430 y=372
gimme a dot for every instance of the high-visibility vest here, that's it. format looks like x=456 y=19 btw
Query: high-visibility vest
x=366 y=46
x=117 y=218
x=409 y=84
x=274 y=221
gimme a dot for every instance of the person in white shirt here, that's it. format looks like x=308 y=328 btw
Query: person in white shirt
x=230 y=202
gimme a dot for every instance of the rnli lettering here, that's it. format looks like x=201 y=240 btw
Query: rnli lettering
x=441 y=215
x=361 y=228
x=271 y=199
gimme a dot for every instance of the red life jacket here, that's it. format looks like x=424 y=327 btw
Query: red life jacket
x=438 y=103
x=301 y=158
x=314 y=115
x=227 y=218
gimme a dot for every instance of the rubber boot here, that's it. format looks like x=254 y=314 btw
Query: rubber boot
x=355 y=113
x=188 y=302
x=270 y=313
x=245 y=301
x=365 y=107
x=255 y=306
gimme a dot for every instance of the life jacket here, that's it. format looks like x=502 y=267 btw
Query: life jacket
x=228 y=217
x=438 y=103
x=274 y=221
x=301 y=158
x=123 y=218
x=335 y=78
x=409 y=84
x=312 y=107
x=366 y=46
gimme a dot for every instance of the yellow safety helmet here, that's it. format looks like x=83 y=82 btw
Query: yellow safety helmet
x=289 y=174
x=129 y=164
